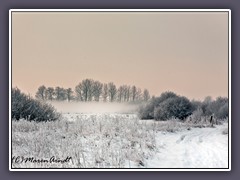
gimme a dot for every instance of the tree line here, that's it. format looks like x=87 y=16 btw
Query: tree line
x=167 y=106
x=170 y=105
x=92 y=90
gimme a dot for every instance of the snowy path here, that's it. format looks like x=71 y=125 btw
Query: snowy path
x=197 y=148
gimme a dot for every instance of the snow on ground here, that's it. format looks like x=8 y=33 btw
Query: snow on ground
x=104 y=135
x=195 y=148
x=99 y=116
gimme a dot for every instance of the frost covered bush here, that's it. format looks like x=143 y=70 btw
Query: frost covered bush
x=147 y=111
x=176 y=107
x=198 y=120
x=219 y=108
x=223 y=112
x=167 y=106
x=25 y=107
x=196 y=117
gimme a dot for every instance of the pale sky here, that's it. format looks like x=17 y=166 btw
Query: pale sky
x=183 y=52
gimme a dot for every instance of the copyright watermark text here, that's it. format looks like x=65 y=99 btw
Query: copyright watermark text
x=53 y=159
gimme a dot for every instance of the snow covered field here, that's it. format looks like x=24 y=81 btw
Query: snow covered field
x=119 y=140
x=197 y=148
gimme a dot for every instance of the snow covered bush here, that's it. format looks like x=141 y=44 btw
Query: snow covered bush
x=196 y=117
x=176 y=107
x=147 y=111
x=219 y=108
x=26 y=107
x=167 y=106
x=223 y=112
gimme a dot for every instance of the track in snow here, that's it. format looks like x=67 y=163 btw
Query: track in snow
x=197 y=148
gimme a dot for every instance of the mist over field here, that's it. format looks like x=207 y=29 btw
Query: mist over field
x=94 y=107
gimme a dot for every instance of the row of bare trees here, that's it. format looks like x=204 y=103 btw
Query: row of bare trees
x=57 y=93
x=91 y=90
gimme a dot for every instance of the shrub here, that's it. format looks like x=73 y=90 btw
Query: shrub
x=167 y=106
x=196 y=117
x=174 y=107
x=25 y=107
x=223 y=112
x=218 y=107
x=147 y=111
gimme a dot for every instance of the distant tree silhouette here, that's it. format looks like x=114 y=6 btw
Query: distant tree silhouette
x=50 y=93
x=69 y=93
x=41 y=93
x=105 y=92
x=92 y=90
x=146 y=95
x=112 y=90
x=97 y=90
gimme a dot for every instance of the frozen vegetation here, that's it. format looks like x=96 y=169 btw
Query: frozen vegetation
x=113 y=140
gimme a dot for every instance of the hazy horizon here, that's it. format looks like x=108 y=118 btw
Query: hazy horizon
x=94 y=107
x=183 y=52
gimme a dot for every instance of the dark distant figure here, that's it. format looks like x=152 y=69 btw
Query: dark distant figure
x=211 y=121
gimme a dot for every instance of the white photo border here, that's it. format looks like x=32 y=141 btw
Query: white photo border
x=120 y=10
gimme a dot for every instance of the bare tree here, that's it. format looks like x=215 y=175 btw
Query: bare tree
x=41 y=92
x=60 y=94
x=57 y=92
x=146 y=95
x=88 y=88
x=105 y=92
x=85 y=88
x=50 y=93
x=69 y=93
x=78 y=92
x=126 y=92
x=112 y=90
x=97 y=90
x=120 y=92
x=133 y=92
x=139 y=94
